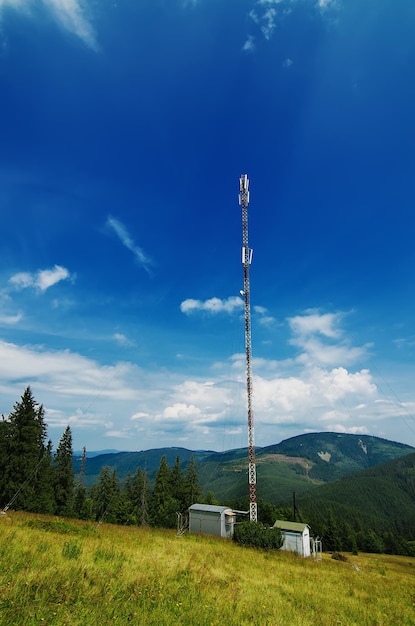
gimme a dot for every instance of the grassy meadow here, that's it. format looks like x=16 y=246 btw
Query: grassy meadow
x=67 y=572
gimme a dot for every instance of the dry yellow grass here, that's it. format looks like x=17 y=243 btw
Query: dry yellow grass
x=73 y=573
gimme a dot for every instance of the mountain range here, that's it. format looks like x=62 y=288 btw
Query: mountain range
x=298 y=464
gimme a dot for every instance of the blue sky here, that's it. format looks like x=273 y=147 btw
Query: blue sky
x=124 y=128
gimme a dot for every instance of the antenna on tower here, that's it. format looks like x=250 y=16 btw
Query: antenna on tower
x=246 y=262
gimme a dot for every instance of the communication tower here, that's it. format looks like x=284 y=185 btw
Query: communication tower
x=246 y=262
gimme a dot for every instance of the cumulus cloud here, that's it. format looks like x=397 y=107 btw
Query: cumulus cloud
x=212 y=305
x=127 y=241
x=70 y=14
x=152 y=408
x=313 y=322
x=320 y=340
x=40 y=280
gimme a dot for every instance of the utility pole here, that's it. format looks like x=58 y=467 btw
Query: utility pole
x=246 y=262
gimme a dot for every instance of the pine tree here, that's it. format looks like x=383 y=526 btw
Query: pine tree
x=164 y=506
x=28 y=462
x=178 y=485
x=82 y=504
x=331 y=536
x=192 y=490
x=64 y=475
x=140 y=497
x=46 y=496
x=105 y=495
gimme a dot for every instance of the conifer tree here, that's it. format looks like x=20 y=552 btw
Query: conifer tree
x=178 y=484
x=82 y=503
x=331 y=535
x=46 y=496
x=163 y=506
x=64 y=475
x=28 y=459
x=140 y=497
x=105 y=495
x=192 y=490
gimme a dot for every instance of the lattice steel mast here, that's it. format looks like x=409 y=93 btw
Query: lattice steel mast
x=246 y=262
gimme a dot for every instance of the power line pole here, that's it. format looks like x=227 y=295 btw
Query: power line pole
x=246 y=262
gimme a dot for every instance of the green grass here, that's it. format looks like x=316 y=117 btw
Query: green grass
x=64 y=572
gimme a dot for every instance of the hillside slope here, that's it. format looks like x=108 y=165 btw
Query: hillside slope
x=380 y=498
x=297 y=464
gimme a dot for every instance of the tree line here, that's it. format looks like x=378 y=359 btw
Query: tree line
x=37 y=479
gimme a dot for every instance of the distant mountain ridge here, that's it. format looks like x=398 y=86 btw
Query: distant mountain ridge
x=297 y=464
x=380 y=498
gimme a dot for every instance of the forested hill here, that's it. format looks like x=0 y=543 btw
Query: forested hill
x=380 y=499
x=333 y=455
x=296 y=464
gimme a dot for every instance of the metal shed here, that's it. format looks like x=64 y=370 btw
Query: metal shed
x=296 y=537
x=211 y=520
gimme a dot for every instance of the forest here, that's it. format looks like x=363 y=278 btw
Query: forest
x=35 y=478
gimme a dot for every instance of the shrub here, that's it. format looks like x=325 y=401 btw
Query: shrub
x=258 y=536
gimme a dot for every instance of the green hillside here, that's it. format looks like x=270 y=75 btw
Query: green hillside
x=297 y=464
x=61 y=572
x=333 y=455
x=380 y=498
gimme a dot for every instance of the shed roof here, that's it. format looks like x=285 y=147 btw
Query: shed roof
x=211 y=508
x=294 y=527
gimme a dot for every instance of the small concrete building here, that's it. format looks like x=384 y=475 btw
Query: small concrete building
x=296 y=537
x=211 y=520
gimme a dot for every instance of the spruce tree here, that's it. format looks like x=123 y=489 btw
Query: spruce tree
x=164 y=506
x=140 y=497
x=28 y=460
x=46 y=496
x=178 y=484
x=64 y=475
x=82 y=504
x=192 y=490
x=105 y=495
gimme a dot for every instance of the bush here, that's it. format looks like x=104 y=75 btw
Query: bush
x=258 y=536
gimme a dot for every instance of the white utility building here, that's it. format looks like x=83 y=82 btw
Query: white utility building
x=296 y=537
x=211 y=520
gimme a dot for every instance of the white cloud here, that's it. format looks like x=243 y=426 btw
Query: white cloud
x=287 y=63
x=122 y=340
x=11 y=319
x=260 y=309
x=316 y=390
x=325 y=4
x=127 y=241
x=264 y=319
x=213 y=305
x=70 y=14
x=249 y=44
x=321 y=340
x=41 y=280
x=268 y=13
x=313 y=322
